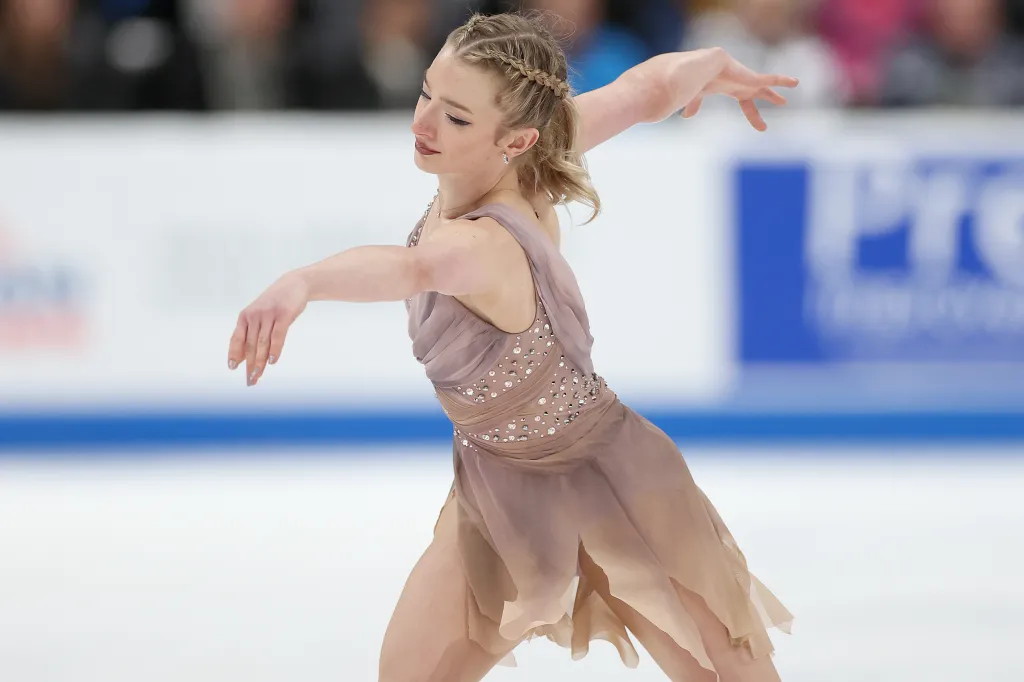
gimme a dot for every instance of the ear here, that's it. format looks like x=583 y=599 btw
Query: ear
x=520 y=141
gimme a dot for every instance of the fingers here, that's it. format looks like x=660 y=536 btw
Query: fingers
x=262 y=350
x=277 y=335
x=753 y=115
x=770 y=95
x=779 y=81
x=236 y=348
x=257 y=341
x=251 y=338
x=691 y=109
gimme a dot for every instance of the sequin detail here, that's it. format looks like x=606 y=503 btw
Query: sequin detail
x=567 y=395
x=414 y=238
x=526 y=355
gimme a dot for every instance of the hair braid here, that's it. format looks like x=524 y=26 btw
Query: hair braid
x=539 y=76
x=473 y=23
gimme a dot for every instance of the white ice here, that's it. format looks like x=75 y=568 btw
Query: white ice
x=900 y=565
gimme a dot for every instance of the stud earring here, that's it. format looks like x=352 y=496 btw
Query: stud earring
x=505 y=156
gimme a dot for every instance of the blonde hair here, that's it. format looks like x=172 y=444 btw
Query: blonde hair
x=520 y=49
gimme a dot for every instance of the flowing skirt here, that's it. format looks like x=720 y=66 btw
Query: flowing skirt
x=587 y=540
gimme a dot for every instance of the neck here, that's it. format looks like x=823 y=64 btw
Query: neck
x=460 y=194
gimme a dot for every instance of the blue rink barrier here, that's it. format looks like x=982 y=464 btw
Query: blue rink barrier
x=98 y=433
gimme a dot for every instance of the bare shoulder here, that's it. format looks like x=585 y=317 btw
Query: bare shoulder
x=482 y=228
x=539 y=208
x=483 y=236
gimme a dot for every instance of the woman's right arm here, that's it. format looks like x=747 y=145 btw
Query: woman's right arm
x=462 y=258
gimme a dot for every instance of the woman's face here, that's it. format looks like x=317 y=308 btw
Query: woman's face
x=458 y=124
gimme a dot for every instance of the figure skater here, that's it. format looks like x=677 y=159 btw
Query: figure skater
x=570 y=516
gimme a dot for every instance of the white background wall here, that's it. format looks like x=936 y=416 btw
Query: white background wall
x=174 y=225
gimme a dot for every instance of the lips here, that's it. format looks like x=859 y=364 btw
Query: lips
x=426 y=151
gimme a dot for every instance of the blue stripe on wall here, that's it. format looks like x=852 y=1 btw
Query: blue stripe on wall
x=168 y=431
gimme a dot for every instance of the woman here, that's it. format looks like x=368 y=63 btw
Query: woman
x=570 y=516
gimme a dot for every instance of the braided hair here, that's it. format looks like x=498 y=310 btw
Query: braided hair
x=539 y=76
x=535 y=94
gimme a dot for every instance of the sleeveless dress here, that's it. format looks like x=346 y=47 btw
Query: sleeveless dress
x=548 y=463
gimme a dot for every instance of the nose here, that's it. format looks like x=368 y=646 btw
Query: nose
x=421 y=126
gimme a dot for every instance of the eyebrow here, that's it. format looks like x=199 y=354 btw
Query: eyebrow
x=448 y=101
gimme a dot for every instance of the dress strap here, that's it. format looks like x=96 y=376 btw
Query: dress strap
x=556 y=284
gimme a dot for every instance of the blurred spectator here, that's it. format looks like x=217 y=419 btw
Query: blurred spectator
x=964 y=57
x=317 y=54
x=33 y=37
x=379 y=66
x=862 y=33
x=705 y=6
x=136 y=55
x=598 y=51
x=659 y=24
x=772 y=36
x=126 y=55
x=244 y=51
x=1015 y=17
x=113 y=55
x=397 y=49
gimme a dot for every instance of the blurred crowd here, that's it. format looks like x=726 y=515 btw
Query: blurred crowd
x=212 y=55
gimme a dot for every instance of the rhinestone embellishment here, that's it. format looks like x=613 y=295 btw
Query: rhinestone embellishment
x=568 y=393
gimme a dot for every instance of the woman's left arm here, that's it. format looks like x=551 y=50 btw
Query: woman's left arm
x=668 y=83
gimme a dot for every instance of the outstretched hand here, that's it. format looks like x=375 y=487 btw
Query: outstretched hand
x=744 y=85
x=262 y=326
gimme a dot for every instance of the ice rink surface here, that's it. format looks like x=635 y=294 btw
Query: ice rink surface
x=900 y=565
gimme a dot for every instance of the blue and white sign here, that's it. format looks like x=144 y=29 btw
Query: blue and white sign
x=869 y=262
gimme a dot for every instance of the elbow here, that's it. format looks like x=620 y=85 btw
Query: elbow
x=453 y=272
x=421 y=272
x=434 y=270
